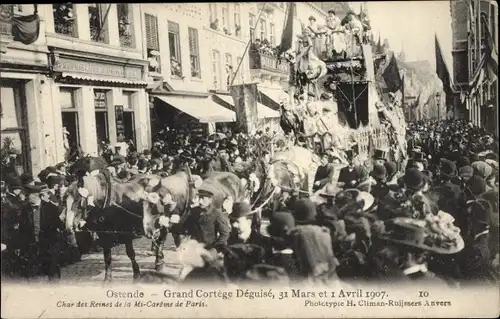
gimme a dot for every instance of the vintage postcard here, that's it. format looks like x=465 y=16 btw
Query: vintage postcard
x=249 y=159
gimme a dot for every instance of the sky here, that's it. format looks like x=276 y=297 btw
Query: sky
x=412 y=25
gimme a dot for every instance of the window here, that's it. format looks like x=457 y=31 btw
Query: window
x=69 y=116
x=229 y=69
x=175 y=49
x=64 y=19
x=152 y=43
x=213 y=12
x=251 y=20
x=272 y=36
x=225 y=17
x=128 y=117
x=263 y=31
x=125 y=28
x=98 y=14
x=216 y=69
x=194 y=53
x=237 y=20
x=101 y=116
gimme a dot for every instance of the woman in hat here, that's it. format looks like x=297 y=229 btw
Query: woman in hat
x=402 y=246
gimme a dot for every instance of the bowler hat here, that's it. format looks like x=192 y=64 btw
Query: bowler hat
x=448 y=168
x=379 y=172
x=240 y=209
x=280 y=222
x=414 y=179
x=26 y=178
x=36 y=188
x=304 y=211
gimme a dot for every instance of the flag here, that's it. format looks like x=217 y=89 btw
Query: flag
x=391 y=75
x=287 y=35
x=491 y=54
x=443 y=74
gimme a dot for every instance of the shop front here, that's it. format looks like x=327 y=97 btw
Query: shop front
x=100 y=101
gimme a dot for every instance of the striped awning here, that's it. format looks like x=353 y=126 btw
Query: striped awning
x=105 y=79
x=201 y=108
x=263 y=112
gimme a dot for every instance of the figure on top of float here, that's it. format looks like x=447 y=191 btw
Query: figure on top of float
x=335 y=35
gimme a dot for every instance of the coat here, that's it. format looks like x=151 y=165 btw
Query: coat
x=348 y=175
x=324 y=175
x=210 y=227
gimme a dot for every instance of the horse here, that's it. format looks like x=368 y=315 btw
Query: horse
x=98 y=203
x=169 y=196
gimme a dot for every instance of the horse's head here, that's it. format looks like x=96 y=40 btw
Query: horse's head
x=75 y=207
x=159 y=199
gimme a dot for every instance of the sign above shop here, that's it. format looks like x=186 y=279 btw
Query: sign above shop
x=98 y=68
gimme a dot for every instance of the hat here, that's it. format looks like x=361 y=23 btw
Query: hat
x=419 y=156
x=477 y=185
x=240 y=209
x=414 y=179
x=380 y=154
x=423 y=235
x=367 y=199
x=54 y=179
x=349 y=154
x=466 y=171
x=330 y=190
x=482 y=169
x=379 y=172
x=35 y=189
x=304 y=211
x=26 y=178
x=464 y=161
x=312 y=18
x=448 y=168
x=117 y=160
x=390 y=168
x=280 y=222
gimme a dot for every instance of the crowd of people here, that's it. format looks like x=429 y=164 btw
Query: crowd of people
x=436 y=219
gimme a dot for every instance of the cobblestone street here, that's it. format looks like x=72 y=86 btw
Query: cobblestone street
x=91 y=267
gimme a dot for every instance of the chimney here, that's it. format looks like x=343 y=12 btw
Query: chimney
x=245 y=101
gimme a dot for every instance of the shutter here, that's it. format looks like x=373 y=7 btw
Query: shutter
x=151 y=32
x=193 y=41
x=173 y=27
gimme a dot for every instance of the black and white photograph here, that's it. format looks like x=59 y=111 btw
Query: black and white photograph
x=336 y=146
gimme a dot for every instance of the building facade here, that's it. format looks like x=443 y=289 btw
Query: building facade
x=82 y=82
x=476 y=92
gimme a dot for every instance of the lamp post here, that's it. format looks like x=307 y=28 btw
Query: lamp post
x=438 y=105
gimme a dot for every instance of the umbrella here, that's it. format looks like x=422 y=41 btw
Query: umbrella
x=217 y=136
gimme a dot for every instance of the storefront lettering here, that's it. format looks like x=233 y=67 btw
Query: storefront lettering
x=97 y=68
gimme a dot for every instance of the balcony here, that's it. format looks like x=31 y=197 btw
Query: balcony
x=267 y=62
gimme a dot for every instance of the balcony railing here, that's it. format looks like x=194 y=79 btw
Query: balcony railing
x=268 y=62
x=6 y=15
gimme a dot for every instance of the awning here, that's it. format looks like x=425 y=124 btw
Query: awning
x=263 y=112
x=84 y=77
x=275 y=95
x=203 y=109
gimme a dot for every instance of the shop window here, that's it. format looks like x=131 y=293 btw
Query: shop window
x=125 y=26
x=64 y=19
x=70 y=127
x=194 y=53
x=216 y=69
x=129 y=117
x=152 y=43
x=101 y=116
x=175 y=49
x=14 y=126
x=98 y=16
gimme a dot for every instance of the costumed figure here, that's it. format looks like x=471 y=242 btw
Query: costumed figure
x=335 y=36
